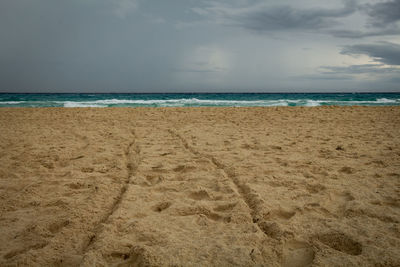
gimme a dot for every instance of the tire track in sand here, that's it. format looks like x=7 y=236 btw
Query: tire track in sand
x=177 y=201
x=132 y=157
x=250 y=197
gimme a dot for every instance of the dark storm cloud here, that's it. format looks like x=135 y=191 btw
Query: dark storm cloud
x=383 y=13
x=382 y=19
x=278 y=17
x=185 y=45
x=82 y=46
x=387 y=53
x=288 y=18
x=363 y=34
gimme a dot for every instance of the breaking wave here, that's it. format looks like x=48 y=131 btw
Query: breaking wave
x=116 y=100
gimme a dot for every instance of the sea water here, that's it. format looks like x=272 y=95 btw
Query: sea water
x=199 y=100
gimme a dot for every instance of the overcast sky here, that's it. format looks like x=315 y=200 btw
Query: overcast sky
x=199 y=46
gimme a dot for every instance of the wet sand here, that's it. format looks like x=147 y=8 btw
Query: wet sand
x=277 y=186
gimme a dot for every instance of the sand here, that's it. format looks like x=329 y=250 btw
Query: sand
x=278 y=186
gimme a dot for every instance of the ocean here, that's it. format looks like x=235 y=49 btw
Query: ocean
x=199 y=100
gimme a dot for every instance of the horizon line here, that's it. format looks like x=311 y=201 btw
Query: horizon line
x=151 y=93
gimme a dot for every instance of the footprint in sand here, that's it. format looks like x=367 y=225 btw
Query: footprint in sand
x=153 y=179
x=57 y=226
x=184 y=168
x=297 y=253
x=201 y=194
x=347 y=170
x=271 y=229
x=281 y=213
x=162 y=206
x=341 y=242
x=147 y=180
x=225 y=207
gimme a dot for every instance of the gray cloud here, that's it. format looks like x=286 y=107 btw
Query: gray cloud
x=363 y=34
x=324 y=77
x=189 y=45
x=382 y=18
x=200 y=70
x=359 y=69
x=125 y=7
x=383 y=13
x=277 y=18
x=364 y=77
x=288 y=18
x=387 y=53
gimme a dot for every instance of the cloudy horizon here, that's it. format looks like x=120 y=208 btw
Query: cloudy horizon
x=153 y=46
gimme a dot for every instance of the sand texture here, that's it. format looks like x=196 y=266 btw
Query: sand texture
x=200 y=186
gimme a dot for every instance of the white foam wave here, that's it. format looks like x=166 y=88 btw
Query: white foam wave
x=203 y=102
x=313 y=103
x=188 y=101
x=11 y=102
x=352 y=102
x=385 y=100
x=71 y=104
x=178 y=102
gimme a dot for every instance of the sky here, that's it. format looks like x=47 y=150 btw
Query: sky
x=148 y=46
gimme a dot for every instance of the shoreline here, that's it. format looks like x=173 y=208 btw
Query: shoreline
x=212 y=107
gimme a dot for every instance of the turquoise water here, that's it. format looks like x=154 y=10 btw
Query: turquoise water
x=197 y=100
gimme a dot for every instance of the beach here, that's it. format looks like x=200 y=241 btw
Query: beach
x=206 y=186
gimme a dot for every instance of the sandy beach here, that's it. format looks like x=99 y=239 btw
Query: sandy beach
x=276 y=186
